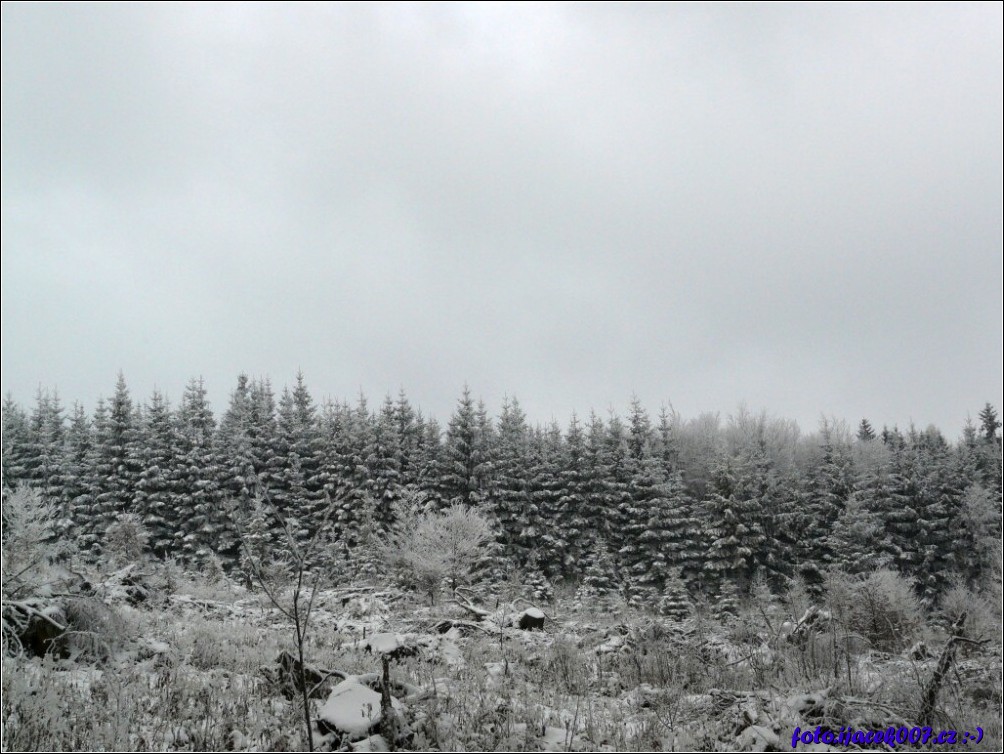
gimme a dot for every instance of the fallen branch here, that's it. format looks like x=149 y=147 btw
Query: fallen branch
x=29 y=609
x=465 y=602
x=446 y=624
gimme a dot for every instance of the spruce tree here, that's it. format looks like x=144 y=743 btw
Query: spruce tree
x=857 y=539
x=238 y=478
x=409 y=438
x=989 y=423
x=263 y=435
x=600 y=581
x=157 y=500
x=668 y=443
x=620 y=508
x=353 y=505
x=644 y=516
x=600 y=509
x=45 y=446
x=258 y=544
x=939 y=497
x=543 y=534
x=680 y=537
x=383 y=460
x=733 y=508
x=114 y=475
x=16 y=444
x=429 y=458
x=467 y=470
x=76 y=455
x=512 y=505
x=573 y=500
x=675 y=603
x=206 y=529
x=829 y=484
x=295 y=496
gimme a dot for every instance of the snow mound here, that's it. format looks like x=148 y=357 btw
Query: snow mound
x=383 y=643
x=373 y=743
x=351 y=708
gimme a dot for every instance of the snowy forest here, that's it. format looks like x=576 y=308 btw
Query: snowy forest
x=626 y=501
x=719 y=542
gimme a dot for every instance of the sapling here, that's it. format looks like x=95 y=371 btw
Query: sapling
x=301 y=601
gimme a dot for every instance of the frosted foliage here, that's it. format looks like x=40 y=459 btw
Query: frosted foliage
x=30 y=545
x=126 y=539
x=430 y=548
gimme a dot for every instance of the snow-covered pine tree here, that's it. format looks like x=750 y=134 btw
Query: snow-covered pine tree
x=726 y=607
x=511 y=505
x=296 y=498
x=897 y=506
x=263 y=435
x=621 y=511
x=408 y=433
x=990 y=458
x=114 y=474
x=668 y=442
x=572 y=501
x=675 y=603
x=331 y=431
x=16 y=444
x=258 y=543
x=828 y=485
x=352 y=504
x=680 y=534
x=238 y=479
x=45 y=447
x=600 y=581
x=430 y=462
x=733 y=512
x=544 y=535
x=467 y=471
x=76 y=452
x=156 y=489
x=857 y=539
x=600 y=510
x=204 y=525
x=643 y=516
x=938 y=504
x=383 y=459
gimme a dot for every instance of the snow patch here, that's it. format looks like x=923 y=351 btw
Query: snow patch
x=373 y=743
x=351 y=708
x=381 y=643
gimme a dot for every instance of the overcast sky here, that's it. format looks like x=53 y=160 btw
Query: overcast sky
x=795 y=206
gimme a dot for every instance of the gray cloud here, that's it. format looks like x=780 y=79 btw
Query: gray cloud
x=795 y=206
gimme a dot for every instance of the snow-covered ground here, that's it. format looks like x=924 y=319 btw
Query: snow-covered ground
x=197 y=670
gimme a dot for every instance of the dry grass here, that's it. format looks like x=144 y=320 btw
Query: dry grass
x=662 y=689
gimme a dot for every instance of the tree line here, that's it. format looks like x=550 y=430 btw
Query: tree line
x=628 y=504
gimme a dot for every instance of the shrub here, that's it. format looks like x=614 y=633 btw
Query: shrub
x=32 y=548
x=126 y=539
x=94 y=631
x=427 y=549
x=983 y=622
x=882 y=607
